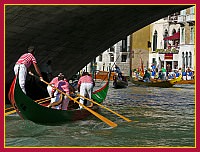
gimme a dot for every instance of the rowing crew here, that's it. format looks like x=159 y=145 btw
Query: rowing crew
x=58 y=101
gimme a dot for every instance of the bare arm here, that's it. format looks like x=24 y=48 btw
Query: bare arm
x=37 y=69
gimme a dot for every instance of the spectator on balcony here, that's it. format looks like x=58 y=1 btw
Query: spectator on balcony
x=169 y=46
x=176 y=45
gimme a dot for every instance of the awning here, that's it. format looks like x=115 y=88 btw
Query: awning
x=176 y=36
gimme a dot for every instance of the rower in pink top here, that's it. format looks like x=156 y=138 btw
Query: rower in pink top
x=85 y=86
x=60 y=83
x=23 y=64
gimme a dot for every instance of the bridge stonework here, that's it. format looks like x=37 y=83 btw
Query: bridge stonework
x=72 y=35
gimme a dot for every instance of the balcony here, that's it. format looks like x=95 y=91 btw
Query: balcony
x=190 y=18
x=166 y=51
x=181 y=19
x=172 y=18
x=124 y=53
x=127 y=50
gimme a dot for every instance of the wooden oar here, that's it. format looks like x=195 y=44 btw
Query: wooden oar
x=46 y=99
x=105 y=108
x=104 y=119
x=42 y=99
x=9 y=108
x=38 y=101
x=10 y=112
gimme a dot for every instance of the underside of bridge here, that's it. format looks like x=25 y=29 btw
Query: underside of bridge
x=72 y=35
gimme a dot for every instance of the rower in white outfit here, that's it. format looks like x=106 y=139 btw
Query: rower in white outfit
x=85 y=86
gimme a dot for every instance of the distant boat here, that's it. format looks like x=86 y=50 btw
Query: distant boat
x=120 y=82
x=158 y=83
x=186 y=82
x=103 y=75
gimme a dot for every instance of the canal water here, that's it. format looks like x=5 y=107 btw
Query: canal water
x=161 y=117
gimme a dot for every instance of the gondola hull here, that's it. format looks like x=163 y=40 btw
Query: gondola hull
x=29 y=109
x=120 y=84
x=163 y=84
x=186 y=82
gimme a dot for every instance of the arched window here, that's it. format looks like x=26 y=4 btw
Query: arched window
x=190 y=59
x=165 y=41
x=100 y=58
x=124 y=45
x=173 y=31
x=111 y=57
x=186 y=59
x=191 y=35
x=182 y=35
x=183 y=60
x=155 y=40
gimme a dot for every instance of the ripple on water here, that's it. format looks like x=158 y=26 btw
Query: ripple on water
x=160 y=117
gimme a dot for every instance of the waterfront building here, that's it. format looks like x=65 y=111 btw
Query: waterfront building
x=165 y=43
x=186 y=19
x=141 y=47
x=118 y=54
x=168 y=42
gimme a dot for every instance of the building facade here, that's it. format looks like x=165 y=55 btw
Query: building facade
x=141 y=47
x=173 y=41
x=168 y=42
x=186 y=19
x=118 y=54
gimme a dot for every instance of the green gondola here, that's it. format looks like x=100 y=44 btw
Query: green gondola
x=38 y=113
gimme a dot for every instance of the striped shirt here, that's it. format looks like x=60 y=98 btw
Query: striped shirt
x=54 y=81
x=27 y=59
x=85 y=79
x=62 y=85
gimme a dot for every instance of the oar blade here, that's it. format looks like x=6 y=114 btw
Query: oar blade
x=128 y=120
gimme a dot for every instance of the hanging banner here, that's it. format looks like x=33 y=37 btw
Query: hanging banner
x=169 y=56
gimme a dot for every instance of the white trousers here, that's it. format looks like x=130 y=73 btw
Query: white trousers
x=57 y=95
x=22 y=75
x=189 y=77
x=85 y=90
x=184 y=77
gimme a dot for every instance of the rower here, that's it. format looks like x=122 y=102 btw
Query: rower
x=58 y=101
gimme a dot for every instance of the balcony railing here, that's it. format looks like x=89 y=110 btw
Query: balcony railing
x=172 y=18
x=127 y=50
x=190 y=18
x=164 y=51
x=181 y=19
